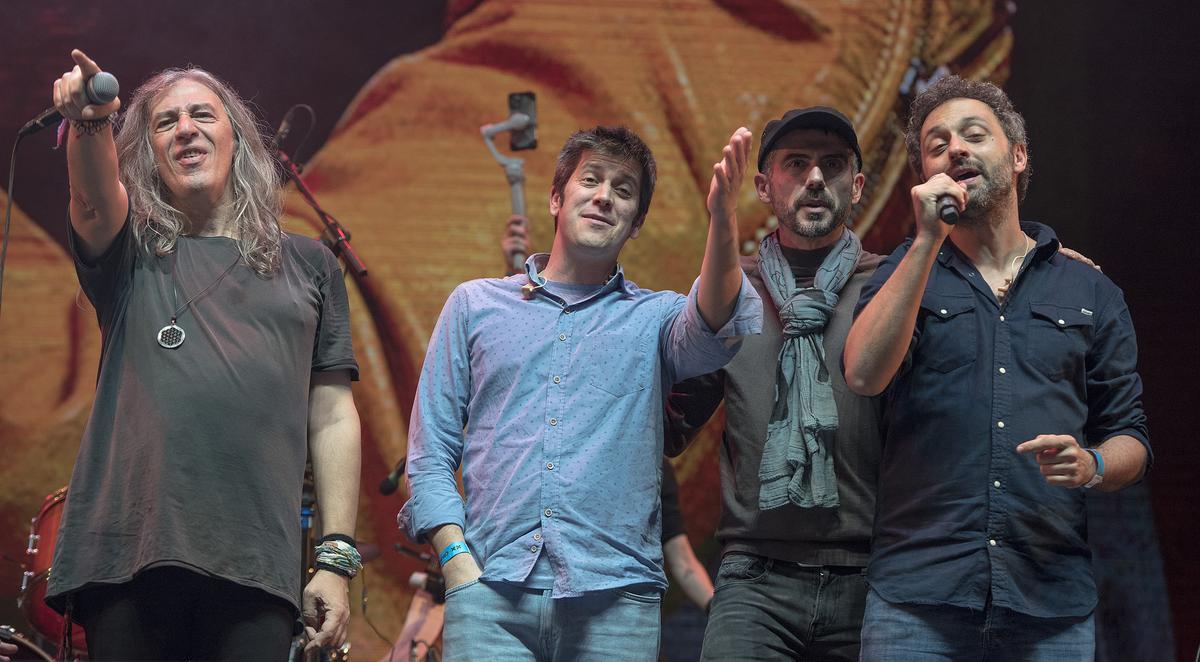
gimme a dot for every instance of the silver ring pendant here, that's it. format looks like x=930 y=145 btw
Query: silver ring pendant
x=171 y=336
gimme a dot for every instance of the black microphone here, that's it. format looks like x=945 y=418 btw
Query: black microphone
x=285 y=127
x=947 y=209
x=389 y=484
x=100 y=89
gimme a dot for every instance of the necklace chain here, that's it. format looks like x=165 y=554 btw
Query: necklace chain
x=172 y=335
x=1002 y=291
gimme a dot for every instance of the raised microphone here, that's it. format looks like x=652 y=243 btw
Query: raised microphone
x=947 y=209
x=100 y=89
x=389 y=484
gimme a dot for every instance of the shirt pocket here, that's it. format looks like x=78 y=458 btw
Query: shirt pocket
x=616 y=363
x=1059 y=337
x=948 y=334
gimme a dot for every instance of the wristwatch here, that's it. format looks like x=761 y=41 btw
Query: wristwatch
x=1099 y=475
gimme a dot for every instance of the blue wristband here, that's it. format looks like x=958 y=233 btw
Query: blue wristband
x=452 y=550
x=1099 y=460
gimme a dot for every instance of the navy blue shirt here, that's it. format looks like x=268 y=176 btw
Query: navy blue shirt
x=959 y=512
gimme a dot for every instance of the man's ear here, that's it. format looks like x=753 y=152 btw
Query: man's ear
x=1020 y=158
x=555 y=203
x=762 y=187
x=856 y=188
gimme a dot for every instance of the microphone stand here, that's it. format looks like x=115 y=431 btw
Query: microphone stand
x=335 y=235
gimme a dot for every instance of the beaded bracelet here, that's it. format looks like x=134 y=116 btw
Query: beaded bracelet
x=92 y=127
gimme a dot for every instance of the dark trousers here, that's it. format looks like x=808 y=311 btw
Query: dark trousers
x=766 y=609
x=171 y=613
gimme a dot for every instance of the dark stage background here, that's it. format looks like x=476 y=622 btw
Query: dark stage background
x=1108 y=89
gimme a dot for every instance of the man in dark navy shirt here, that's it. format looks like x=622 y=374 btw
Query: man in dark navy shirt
x=1012 y=378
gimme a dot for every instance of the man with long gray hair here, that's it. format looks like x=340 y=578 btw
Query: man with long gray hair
x=226 y=346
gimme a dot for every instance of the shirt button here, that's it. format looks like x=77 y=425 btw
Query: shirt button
x=996 y=483
x=1001 y=318
x=1000 y=424
x=533 y=548
x=549 y=466
x=557 y=379
x=942 y=311
x=554 y=421
x=1061 y=322
x=548 y=513
x=537 y=536
x=562 y=336
x=568 y=311
x=992 y=542
x=1002 y=371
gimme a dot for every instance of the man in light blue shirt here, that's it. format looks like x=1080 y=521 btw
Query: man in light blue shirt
x=547 y=389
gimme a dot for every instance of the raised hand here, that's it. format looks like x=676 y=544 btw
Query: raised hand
x=70 y=95
x=925 y=204
x=728 y=174
x=515 y=239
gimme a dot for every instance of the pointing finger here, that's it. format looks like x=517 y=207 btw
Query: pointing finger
x=85 y=63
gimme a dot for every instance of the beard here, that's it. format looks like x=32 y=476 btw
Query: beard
x=812 y=226
x=991 y=193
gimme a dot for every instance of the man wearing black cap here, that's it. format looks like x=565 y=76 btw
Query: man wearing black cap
x=801 y=451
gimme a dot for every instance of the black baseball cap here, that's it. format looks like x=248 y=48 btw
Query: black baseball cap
x=815 y=117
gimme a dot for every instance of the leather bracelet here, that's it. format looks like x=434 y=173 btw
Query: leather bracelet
x=334 y=569
x=349 y=540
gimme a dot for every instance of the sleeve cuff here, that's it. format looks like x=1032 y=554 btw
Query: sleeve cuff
x=746 y=319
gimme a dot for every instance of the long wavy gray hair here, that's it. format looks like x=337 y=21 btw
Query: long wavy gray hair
x=255 y=179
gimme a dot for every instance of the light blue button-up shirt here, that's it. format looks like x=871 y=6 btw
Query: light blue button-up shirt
x=555 y=413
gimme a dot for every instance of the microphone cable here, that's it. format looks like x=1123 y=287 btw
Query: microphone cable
x=12 y=171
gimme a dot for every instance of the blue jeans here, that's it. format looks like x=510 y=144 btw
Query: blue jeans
x=893 y=631
x=766 y=609
x=499 y=621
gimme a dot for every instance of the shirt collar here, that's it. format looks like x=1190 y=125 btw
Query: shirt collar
x=1046 y=245
x=536 y=263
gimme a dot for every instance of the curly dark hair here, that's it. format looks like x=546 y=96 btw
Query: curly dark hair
x=617 y=142
x=954 y=87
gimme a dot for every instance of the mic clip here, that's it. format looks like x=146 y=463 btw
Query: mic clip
x=529 y=290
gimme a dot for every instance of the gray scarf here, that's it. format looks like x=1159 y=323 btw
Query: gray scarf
x=797 y=461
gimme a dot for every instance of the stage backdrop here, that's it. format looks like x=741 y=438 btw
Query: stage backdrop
x=405 y=169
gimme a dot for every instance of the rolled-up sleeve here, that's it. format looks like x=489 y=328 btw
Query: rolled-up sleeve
x=435 y=434
x=1114 y=388
x=691 y=348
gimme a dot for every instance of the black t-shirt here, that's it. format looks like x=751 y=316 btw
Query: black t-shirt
x=194 y=456
x=672 y=517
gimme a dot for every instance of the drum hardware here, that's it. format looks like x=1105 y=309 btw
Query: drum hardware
x=31 y=548
x=43 y=537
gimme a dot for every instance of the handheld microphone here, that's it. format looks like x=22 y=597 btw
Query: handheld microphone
x=947 y=209
x=100 y=89
x=389 y=484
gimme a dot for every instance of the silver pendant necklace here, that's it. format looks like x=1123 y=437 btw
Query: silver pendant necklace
x=172 y=335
